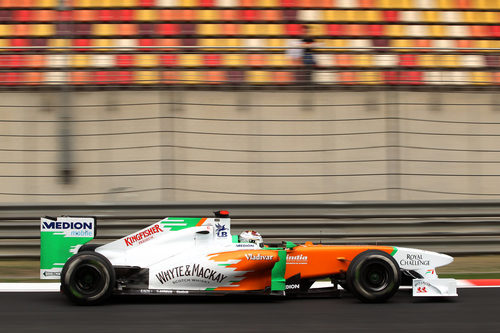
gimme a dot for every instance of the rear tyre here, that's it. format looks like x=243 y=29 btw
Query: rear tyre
x=373 y=276
x=88 y=278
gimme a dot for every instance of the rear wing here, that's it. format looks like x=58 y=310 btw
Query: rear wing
x=60 y=238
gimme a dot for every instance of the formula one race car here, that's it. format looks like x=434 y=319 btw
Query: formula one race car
x=199 y=256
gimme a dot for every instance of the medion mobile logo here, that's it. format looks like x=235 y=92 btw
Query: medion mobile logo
x=142 y=236
x=76 y=229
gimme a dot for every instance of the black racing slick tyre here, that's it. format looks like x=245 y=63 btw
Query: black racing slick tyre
x=373 y=276
x=88 y=278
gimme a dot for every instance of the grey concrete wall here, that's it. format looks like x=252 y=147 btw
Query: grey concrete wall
x=254 y=156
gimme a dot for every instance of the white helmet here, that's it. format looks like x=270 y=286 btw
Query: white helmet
x=251 y=236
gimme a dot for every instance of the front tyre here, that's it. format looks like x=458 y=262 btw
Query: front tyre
x=88 y=278
x=373 y=276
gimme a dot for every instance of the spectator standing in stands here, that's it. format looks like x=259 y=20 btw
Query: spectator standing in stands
x=308 y=59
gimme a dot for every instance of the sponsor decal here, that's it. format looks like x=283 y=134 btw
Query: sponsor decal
x=76 y=229
x=298 y=259
x=258 y=257
x=292 y=286
x=143 y=236
x=186 y=273
x=247 y=245
x=421 y=290
x=414 y=260
x=220 y=230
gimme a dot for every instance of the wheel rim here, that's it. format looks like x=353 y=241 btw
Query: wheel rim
x=88 y=279
x=376 y=276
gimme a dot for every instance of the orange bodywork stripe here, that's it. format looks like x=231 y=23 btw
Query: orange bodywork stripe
x=200 y=223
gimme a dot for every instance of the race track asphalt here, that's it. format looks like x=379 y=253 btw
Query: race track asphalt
x=475 y=310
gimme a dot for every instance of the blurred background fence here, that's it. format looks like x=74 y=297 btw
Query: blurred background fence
x=458 y=228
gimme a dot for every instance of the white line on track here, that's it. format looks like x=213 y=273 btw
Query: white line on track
x=54 y=287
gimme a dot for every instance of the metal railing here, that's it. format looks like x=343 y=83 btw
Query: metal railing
x=454 y=227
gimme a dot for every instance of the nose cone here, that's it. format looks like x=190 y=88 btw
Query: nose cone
x=417 y=259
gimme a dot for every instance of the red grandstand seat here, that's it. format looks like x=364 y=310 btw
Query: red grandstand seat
x=102 y=77
x=235 y=76
x=289 y=3
x=105 y=15
x=212 y=59
x=214 y=77
x=38 y=42
x=229 y=15
x=44 y=15
x=478 y=31
x=79 y=77
x=123 y=77
x=249 y=15
x=167 y=29
x=82 y=42
x=407 y=60
x=124 y=60
x=366 y=3
x=32 y=78
x=65 y=15
x=145 y=42
x=146 y=29
x=410 y=77
x=188 y=29
x=84 y=15
x=189 y=42
x=126 y=14
x=375 y=30
x=347 y=77
x=290 y=15
x=282 y=77
x=82 y=29
x=336 y=29
x=19 y=15
x=492 y=60
x=495 y=30
x=354 y=29
x=8 y=15
x=11 y=78
x=168 y=60
x=293 y=29
x=16 y=60
x=207 y=3
x=463 y=4
x=147 y=3
x=391 y=77
x=19 y=42
x=391 y=15
x=378 y=42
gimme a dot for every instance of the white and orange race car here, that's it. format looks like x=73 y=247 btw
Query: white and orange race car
x=200 y=256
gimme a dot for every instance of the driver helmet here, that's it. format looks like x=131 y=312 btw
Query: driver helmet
x=250 y=236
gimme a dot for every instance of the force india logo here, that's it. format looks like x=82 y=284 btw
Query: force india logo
x=194 y=270
x=142 y=236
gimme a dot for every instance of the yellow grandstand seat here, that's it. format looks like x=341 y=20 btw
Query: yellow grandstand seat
x=363 y=60
x=427 y=60
x=207 y=15
x=104 y=43
x=146 y=15
x=369 y=77
x=42 y=30
x=190 y=60
x=80 y=60
x=395 y=30
x=430 y=16
x=22 y=30
x=232 y=59
x=104 y=29
x=187 y=3
x=258 y=77
x=447 y=60
x=278 y=60
x=268 y=3
x=208 y=29
x=191 y=77
x=436 y=30
x=146 y=77
x=6 y=30
x=445 y=4
x=46 y=3
x=480 y=78
x=146 y=60
x=275 y=44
